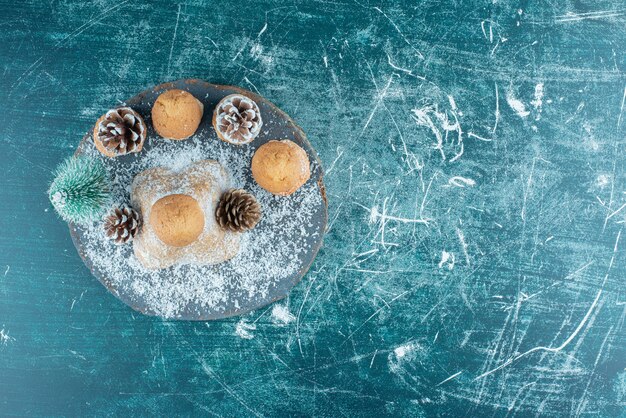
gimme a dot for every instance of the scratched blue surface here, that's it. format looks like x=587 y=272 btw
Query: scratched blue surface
x=474 y=262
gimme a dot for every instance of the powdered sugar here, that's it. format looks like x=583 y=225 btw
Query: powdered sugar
x=281 y=315
x=204 y=181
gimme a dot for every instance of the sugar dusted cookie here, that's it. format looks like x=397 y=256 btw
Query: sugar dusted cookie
x=178 y=209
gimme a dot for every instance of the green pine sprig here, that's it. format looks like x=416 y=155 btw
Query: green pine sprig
x=80 y=190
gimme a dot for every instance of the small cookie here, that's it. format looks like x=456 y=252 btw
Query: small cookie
x=177 y=219
x=280 y=167
x=176 y=114
x=237 y=119
x=119 y=131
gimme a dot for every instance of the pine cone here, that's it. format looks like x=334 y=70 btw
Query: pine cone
x=121 y=131
x=237 y=119
x=237 y=211
x=122 y=224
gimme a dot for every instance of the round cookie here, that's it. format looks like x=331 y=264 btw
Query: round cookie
x=280 y=167
x=176 y=114
x=177 y=219
x=200 y=183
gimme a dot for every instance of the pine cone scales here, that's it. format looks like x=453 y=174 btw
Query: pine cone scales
x=122 y=225
x=237 y=211
x=121 y=131
x=237 y=119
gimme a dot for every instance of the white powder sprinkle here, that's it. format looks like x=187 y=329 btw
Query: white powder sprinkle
x=537 y=102
x=517 y=105
x=5 y=338
x=243 y=329
x=270 y=256
x=281 y=315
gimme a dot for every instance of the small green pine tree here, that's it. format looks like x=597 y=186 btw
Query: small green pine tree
x=80 y=189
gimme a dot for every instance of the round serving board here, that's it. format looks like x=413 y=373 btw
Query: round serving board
x=273 y=257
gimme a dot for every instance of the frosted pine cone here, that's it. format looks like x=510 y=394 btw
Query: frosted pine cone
x=122 y=225
x=237 y=211
x=237 y=119
x=121 y=131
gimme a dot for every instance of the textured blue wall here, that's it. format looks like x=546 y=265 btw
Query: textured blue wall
x=474 y=261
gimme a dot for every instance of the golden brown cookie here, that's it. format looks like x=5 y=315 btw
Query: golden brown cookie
x=280 y=167
x=202 y=182
x=176 y=114
x=177 y=219
x=119 y=131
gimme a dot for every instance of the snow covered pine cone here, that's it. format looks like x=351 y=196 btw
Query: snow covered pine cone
x=120 y=131
x=237 y=119
x=237 y=211
x=122 y=224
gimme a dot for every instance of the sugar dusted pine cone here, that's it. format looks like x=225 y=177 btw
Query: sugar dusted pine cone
x=120 y=131
x=122 y=224
x=237 y=211
x=237 y=119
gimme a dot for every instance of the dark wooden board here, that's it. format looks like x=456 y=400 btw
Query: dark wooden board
x=277 y=125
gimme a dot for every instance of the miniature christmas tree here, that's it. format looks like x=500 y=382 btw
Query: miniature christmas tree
x=80 y=189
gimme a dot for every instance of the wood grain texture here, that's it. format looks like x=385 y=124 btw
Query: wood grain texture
x=474 y=261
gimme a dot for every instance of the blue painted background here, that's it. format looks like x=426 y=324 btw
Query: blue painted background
x=474 y=262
